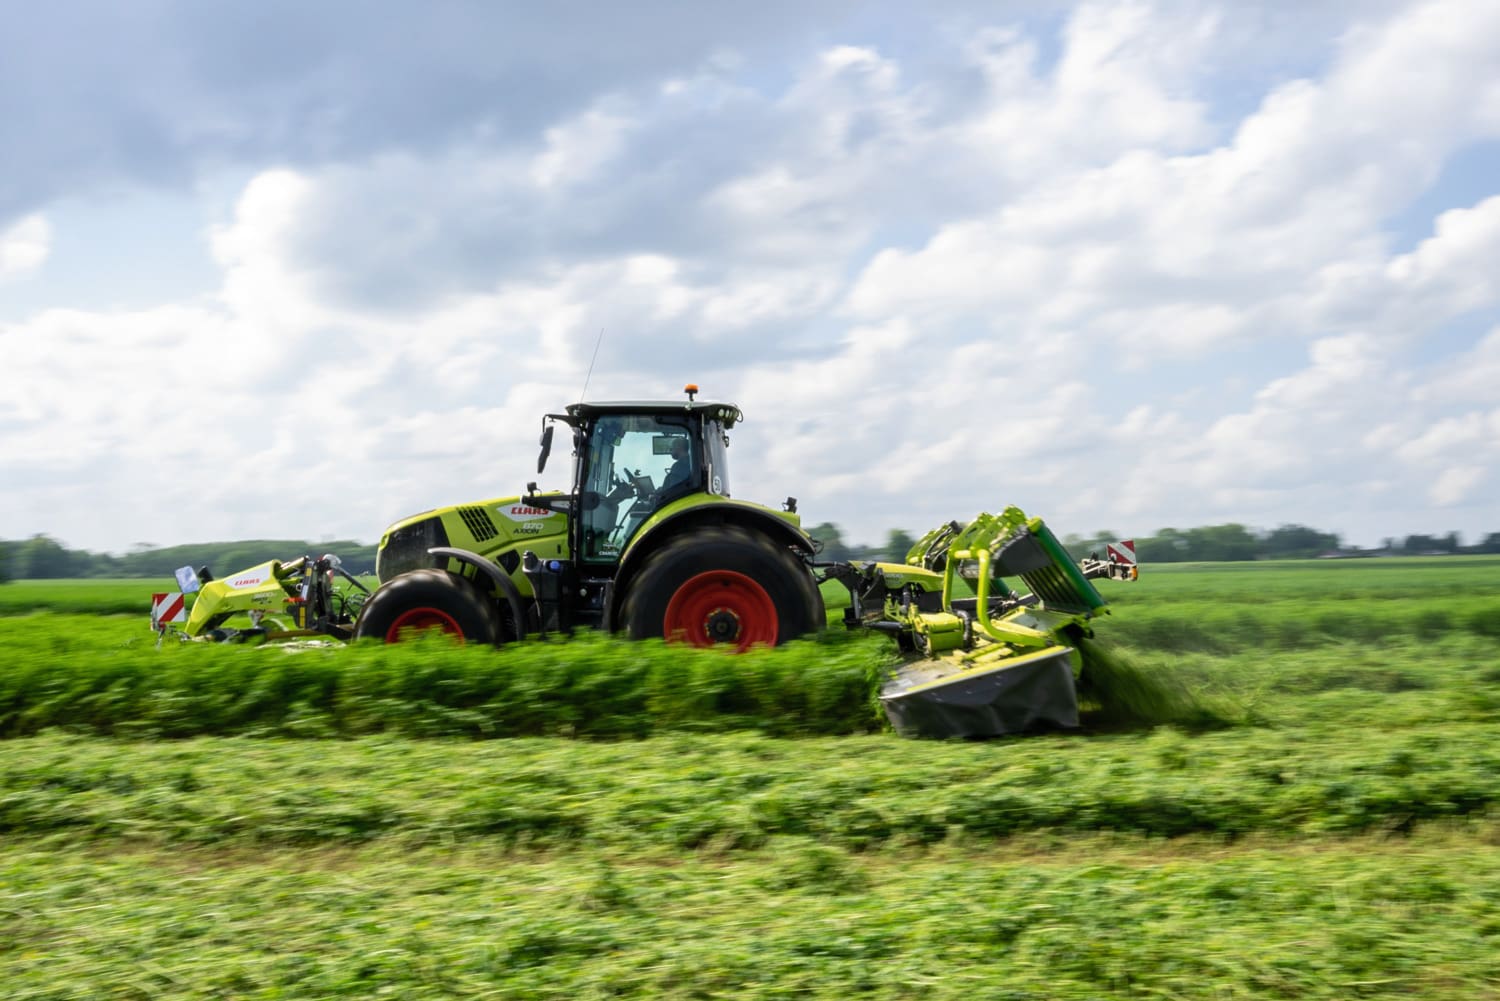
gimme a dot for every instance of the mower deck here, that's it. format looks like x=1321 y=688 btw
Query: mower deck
x=988 y=695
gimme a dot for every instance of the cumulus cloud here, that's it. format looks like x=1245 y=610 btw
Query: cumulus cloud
x=1472 y=377
x=24 y=247
x=1233 y=235
x=1454 y=485
x=96 y=93
x=1453 y=270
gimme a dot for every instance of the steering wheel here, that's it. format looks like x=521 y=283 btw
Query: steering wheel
x=620 y=488
x=640 y=486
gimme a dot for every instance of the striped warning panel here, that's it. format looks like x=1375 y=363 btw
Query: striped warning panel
x=169 y=607
x=1122 y=552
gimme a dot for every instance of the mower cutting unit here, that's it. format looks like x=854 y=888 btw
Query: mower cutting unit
x=988 y=660
x=296 y=599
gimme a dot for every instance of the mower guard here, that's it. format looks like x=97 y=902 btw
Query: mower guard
x=1014 y=695
x=995 y=663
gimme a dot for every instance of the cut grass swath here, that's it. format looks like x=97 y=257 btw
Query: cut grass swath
x=1118 y=692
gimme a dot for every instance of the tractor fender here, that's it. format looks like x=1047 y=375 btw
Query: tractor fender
x=496 y=575
x=689 y=513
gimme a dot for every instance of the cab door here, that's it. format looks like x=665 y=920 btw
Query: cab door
x=627 y=459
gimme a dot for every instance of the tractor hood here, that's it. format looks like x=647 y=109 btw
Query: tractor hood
x=484 y=527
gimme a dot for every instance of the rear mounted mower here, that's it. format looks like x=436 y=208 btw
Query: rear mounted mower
x=985 y=660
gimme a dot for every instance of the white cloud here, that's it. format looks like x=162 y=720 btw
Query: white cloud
x=1449 y=438
x=1302 y=187
x=579 y=149
x=262 y=281
x=24 y=247
x=1453 y=486
x=1471 y=377
x=1454 y=270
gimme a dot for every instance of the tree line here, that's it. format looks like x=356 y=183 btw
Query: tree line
x=42 y=557
x=1208 y=544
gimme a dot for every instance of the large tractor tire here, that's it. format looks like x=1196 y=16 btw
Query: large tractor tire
x=421 y=600
x=722 y=585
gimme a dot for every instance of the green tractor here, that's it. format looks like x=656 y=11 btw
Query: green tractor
x=647 y=541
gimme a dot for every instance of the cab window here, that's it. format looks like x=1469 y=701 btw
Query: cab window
x=635 y=463
x=716 y=480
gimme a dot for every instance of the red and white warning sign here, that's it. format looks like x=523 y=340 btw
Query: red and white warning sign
x=1122 y=552
x=165 y=608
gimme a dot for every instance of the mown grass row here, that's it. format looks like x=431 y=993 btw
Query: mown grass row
x=1186 y=661
x=587 y=686
x=1447 y=577
x=1231 y=607
x=1229 y=627
x=1368 y=919
x=738 y=791
x=75 y=672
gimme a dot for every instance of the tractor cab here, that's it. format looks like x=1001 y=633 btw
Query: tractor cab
x=632 y=458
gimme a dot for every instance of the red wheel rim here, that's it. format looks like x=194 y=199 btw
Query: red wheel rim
x=422 y=619
x=721 y=607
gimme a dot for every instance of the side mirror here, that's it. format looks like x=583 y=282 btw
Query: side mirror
x=541 y=462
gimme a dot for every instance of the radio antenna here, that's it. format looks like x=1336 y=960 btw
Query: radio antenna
x=590 y=373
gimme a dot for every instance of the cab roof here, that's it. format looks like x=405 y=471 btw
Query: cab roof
x=726 y=413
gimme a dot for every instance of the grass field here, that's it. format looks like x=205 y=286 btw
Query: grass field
x=599 y=819
x=88 y=597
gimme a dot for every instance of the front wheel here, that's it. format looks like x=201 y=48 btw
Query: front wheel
x=428 y=600
x=722 y=585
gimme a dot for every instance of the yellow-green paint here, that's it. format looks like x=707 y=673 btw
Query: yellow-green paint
x=703 y=500
x=984 y=661
x=940 y=631
x=258 y=589
x=897 y=575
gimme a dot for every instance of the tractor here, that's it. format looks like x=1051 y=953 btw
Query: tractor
x=647 y=541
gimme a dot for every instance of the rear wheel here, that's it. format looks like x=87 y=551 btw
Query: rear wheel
x=722 y=585
x=424 y=600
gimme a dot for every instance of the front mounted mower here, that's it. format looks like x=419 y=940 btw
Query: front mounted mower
x=298 y=599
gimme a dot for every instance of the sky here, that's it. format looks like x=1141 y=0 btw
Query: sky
x=290 y=270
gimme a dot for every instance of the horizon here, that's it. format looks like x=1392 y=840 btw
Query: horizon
x=859 y=544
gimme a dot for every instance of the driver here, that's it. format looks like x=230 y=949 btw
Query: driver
x=681 y=470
